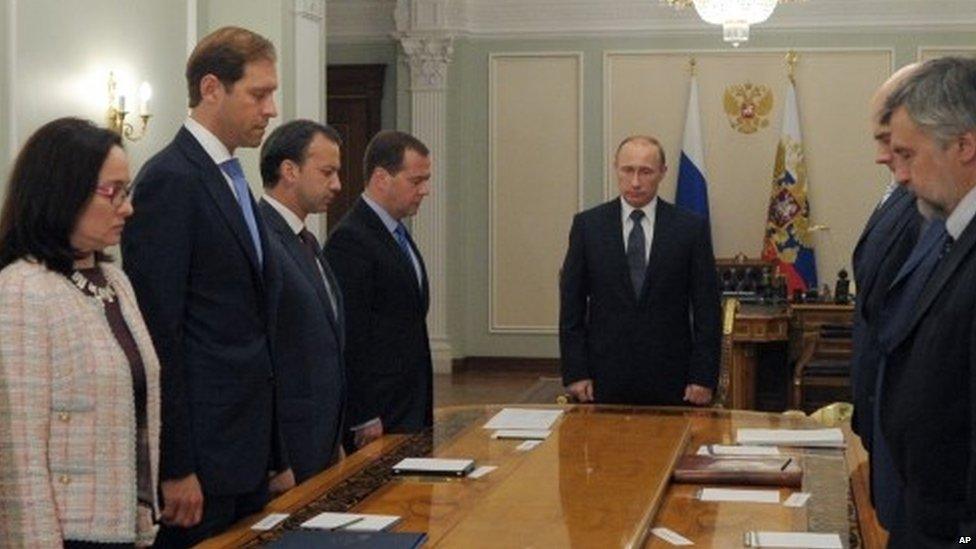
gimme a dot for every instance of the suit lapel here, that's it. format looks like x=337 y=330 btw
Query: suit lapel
x=339 y=317
x=425 y=289
x=896 y=196
x=613 y=230
x=898 y=205
x=662 y=236
x=943 y=272
x=216 y=185
x=296 y=249
x=375 y=224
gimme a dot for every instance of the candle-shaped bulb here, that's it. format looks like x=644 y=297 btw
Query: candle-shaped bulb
x=145 y=92
x=122 y=103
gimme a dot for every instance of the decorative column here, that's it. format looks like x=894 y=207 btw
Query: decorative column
x=428 y=53
x=308 y=65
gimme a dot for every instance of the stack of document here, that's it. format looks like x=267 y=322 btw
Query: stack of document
x=804 y=540
x=351 y=522
x=522 y=434
x=523 y=418
x=731 y=450
x=810 y=438
x=523 y=423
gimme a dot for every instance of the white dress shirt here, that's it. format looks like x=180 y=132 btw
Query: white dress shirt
x=647 y=223
x=297 y=226
x=214 y=147
x=960 y=217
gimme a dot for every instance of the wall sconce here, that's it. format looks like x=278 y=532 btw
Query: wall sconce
x=117 y=110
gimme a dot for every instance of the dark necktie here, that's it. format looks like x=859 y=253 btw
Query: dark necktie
x=312 y=246
x=636 y=258
x=233 y=170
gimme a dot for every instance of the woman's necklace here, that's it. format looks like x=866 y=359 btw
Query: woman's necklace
x=103 y=295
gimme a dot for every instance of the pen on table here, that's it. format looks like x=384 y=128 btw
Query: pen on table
x=787 y=464
x=350 y=523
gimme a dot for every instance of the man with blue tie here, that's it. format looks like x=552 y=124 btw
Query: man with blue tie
x=927 y=394
x=300 y=164
x=198 y=259
x=384 y=285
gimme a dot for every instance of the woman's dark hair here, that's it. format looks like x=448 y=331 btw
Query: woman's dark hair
x=53 y=179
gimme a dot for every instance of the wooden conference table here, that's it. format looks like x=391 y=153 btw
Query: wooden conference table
x=602 y=479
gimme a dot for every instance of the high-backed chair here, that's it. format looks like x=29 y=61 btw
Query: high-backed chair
x=825 y=362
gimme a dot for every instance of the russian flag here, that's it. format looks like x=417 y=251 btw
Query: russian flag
x=692 y=192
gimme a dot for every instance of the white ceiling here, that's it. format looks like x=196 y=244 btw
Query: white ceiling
x=358 y=20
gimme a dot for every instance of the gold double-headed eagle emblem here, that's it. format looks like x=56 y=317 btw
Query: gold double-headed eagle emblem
x=748 y=106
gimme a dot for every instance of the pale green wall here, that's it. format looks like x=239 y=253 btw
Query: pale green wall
x=65 y=49
x=4 y=91
x=467 y=137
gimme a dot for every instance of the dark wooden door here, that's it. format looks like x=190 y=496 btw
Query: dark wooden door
x=355 y=94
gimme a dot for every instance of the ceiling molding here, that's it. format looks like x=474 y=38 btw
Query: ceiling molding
x=373 y=21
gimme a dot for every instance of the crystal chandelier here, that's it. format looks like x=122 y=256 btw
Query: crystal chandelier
x=735 y=16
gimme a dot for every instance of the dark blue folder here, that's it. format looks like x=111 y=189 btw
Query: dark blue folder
x=328 y=539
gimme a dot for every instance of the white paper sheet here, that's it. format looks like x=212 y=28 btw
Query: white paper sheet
x=528 y=445
x=735 y=450
x=522 y=434
x=820 y=438
x=523 y=418
x=482 y=471
x=797 y=499
x=671 y=536
x=352 y=522
x=734 y=494
x=269 y=521
x=804 y=540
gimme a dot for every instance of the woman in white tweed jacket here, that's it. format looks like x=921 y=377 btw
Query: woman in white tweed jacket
x=79 y=391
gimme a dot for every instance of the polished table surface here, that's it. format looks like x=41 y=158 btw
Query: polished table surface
x=600 y=480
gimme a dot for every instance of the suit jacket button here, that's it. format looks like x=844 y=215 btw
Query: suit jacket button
x=64 y=479
x=64 y=416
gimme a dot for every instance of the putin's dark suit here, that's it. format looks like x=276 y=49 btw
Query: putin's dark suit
x=209 y=303
x=646 y=349
x=388 y=358
x=928 y=411
x=885 y=243
x=308 y=353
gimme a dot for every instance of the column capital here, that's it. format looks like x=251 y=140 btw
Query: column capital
x=428 y=56
x=313 y=10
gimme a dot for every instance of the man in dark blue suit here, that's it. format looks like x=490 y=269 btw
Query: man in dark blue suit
x=884 y=245
x=639 y=317
x=927 y=406
x=198 y=259
x=384 y=283
x=300 y=164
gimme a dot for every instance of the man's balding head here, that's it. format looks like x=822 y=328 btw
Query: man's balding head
x=881 y=117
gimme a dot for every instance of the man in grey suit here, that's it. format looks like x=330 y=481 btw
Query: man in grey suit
x=300 y=168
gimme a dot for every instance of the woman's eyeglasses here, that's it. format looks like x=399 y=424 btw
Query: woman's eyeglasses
x=117 y=193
